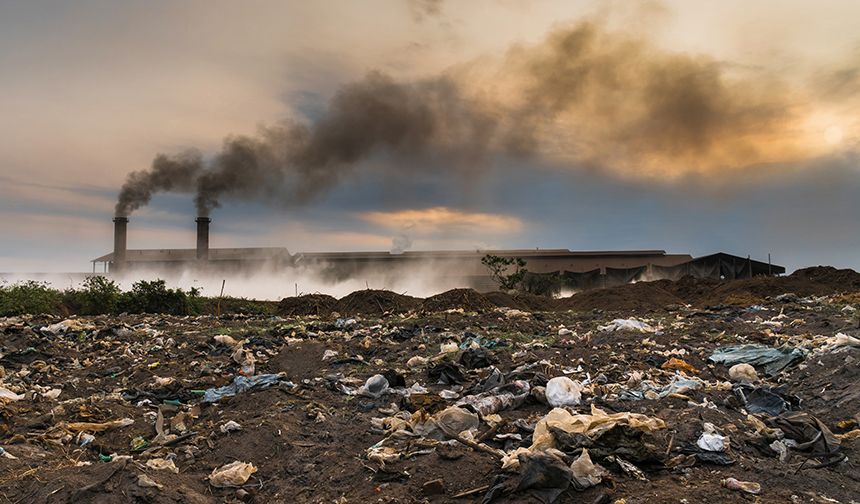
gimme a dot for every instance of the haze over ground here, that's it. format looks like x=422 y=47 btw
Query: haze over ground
x=761 y=158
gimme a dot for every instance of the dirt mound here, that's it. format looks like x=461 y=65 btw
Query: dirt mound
x=467 y=299
x=309 y=304
x=845 y=280
x=375 y=302
x=521 y=301
x=815 y=281
x=640 y=296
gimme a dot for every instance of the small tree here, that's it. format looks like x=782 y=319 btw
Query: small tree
x=500 y=269
x=98 y=295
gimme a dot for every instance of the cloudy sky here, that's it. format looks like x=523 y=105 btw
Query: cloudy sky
x=688 y=126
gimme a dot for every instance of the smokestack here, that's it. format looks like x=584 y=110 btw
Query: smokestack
x=120 y=238
x=203 y=238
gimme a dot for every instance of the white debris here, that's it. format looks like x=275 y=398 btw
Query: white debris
x=230 y=426
x=416 y=361
x=374 y=387
x=710 y=440
x=449 y=347
x=627 y=325
x=562 y=391
x=232 y=475
x=743 y=373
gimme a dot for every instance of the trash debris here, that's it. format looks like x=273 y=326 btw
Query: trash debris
x=626 y=325
x=771 y=360
x=808 y=435
x=743 y=486
x=603 y=414
x=498 y=398
x=543 y=476
x=230 y=426
x=160 y=464
x=743 y=373
x=232 y=475
x=449 y=347
x=241 y=384
x=145 y=481
x=416 y=361
x=585 y=473
x=475 y=358
x=676 y=364
x=374 y=387
x=445 y=373
x=772 y=401
x=8 y=395
x=710 y=440
x=562 y=391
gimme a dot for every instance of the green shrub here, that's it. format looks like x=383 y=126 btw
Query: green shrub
x=98 y=295
x=155 y=297
x=500 y=269
x=29 y=297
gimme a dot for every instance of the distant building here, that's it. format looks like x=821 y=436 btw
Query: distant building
x=556 y=268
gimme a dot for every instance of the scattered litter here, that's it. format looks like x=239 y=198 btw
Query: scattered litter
x=743 y=373
x=233 y=474
x=743 y=486
x=374 y=387
x=710 y=440
x=241 y=384
x=562 y=391
x=161 y=464
x=626 y=325
x=230 y=426
x=771 y=360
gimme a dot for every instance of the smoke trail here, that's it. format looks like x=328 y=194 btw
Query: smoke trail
x=585 y=96
x=294 y=163
x=168 y=173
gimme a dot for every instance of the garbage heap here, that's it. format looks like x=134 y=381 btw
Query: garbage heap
x=677 y=404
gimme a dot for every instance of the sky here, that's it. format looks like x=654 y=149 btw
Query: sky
x=688 y=126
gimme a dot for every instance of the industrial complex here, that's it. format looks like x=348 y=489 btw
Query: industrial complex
x=571 y=270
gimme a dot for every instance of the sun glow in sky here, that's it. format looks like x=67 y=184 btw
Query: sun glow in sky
x=686 y=126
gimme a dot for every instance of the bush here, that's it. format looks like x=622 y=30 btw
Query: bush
x=29 y=297
x=155 y=297
x=99 y=295
x=500 y=270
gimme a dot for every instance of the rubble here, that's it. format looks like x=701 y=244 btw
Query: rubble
x=383 y=398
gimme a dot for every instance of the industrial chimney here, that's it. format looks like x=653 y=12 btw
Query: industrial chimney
x=203 y=238
x=120 y=238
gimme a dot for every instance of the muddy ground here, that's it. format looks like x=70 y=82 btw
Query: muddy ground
x=309 y=435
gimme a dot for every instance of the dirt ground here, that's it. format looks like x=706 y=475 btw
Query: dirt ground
x=315 y=436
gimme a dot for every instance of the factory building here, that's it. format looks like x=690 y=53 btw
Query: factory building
x=566 y=269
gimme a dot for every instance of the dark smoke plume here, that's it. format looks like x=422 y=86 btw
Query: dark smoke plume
x=584 y=96
x=168 y=173
x=293 y=163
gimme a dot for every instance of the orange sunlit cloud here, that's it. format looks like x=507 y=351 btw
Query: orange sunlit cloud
x=444 y=220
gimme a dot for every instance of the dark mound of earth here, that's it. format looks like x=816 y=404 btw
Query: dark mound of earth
x=521 y=301
x=815 y=281
x=375 y=302
x=309 y=304
x=642 y=296
x=467 y=299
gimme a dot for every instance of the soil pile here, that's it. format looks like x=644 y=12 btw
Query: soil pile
x=309 y=304
x=815 y=281
x=375 y=302
x=454 y=299
x=521 y=301
x=642 y=296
